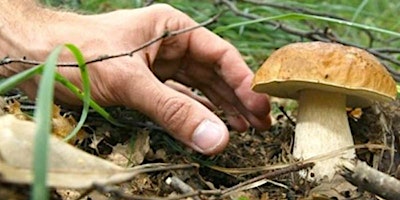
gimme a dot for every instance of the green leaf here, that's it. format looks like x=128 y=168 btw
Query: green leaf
x=86 y=88
x=16 y=79
x=77 y=92
x=43 y=113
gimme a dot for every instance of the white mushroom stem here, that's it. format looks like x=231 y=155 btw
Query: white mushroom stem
x=322 y=127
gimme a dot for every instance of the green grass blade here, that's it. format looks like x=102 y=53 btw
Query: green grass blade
x=86 y=88
x=77 y=92
x=357 y=13
x=298 y=16
x=43 y=115
x=16 y=79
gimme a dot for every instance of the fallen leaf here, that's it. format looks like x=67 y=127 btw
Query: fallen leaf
x=68 y=166
x=63 y=126
x=141 y=147
x=15 y=108
x=131 y=154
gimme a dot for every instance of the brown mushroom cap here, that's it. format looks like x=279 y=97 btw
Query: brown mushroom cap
x=325 y=66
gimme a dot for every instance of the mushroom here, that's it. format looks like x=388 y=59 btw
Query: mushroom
x=325 y=78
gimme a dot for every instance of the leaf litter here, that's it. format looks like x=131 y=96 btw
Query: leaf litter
x=245 y=157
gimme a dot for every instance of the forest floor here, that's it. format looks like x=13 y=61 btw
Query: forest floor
x=250 y=158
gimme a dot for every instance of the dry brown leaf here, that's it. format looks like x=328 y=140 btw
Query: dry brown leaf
x=63 y=126
x=69 y=167
x=15 y=108
x=141 y=147
x=333 y=189
x=119 y=155
x=131 y=155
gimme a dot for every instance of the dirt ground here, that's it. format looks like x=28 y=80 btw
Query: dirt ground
x=248 y=157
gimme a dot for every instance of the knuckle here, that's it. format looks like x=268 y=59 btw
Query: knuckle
x=174 y=112
x=172 y=19
x=162 y=8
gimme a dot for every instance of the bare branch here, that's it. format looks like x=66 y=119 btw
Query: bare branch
x=387 y=50
x=295 y=9
x=269 y=175
x=370 y=179
x=209 y=193
x=166 y=34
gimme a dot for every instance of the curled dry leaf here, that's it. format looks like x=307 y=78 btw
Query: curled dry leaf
x=131 y=154
x=141 y=147
x=62 y=125
x=69 y=167
x=15 y=108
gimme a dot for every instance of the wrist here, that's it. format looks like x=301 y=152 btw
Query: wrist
x=27 y=30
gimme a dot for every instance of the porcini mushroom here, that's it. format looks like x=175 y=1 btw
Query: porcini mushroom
x=324 y=78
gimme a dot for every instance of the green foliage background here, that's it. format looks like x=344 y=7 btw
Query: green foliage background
x=256 y=41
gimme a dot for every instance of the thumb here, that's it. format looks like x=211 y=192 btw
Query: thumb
x=185 y=119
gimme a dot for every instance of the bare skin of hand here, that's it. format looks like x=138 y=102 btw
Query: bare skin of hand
x=198 y=59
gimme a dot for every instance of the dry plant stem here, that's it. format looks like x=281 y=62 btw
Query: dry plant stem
x=121 y=195
x=291 y=8
x=269 y=175
x=322 y=127
x=166 y=34
x=210 y=194
x=370 y=179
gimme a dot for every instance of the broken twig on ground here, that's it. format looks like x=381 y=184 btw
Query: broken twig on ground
x=367 y=178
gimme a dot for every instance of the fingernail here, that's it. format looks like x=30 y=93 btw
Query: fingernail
x=208 y=136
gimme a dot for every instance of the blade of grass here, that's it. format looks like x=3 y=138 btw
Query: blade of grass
x=357 y=13
x=13 y=81
x=298 y=16
x=78 y=93
x=43 y=113
x=86 y=88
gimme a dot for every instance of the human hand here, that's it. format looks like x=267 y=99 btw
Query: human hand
x=198 y=59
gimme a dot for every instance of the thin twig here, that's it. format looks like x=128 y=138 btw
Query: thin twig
x=282 y=109
x=387 y=50
x=141 y=169
x=291 y=8
x=166 y=34
x=369 y=179
x=273 y=172
x=217 y=193
x=269 y=175
x=117 y=192
x=179 y=185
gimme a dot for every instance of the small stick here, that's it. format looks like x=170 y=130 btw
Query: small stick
x=268 y=175
x=282 y=109
x=181 y=186
x=165 y=34
x=369 y=179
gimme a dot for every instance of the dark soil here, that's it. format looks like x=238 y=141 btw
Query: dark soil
x=245 y=158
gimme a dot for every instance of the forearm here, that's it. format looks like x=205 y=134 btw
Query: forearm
x=19 y=21
x=25 y=31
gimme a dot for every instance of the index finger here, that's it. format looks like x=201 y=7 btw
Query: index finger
x=207 y=47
